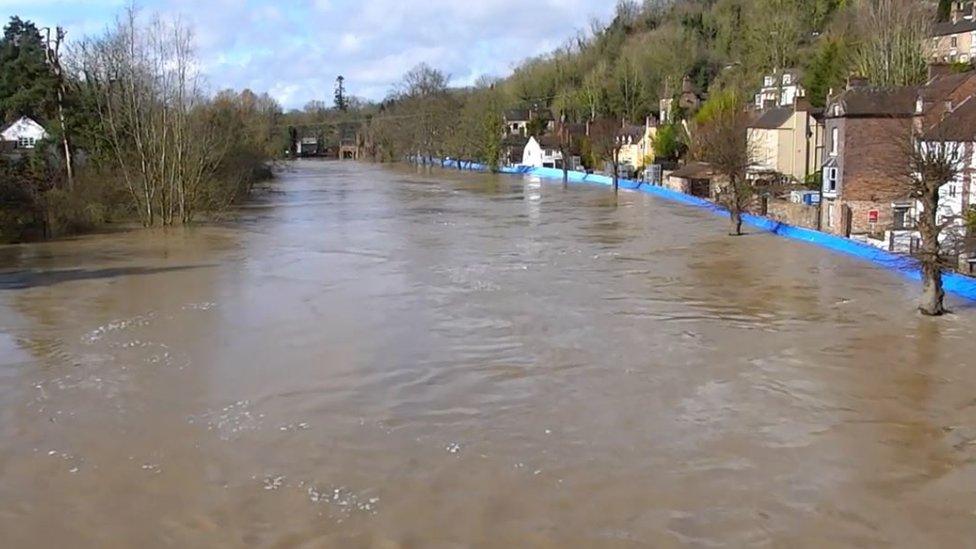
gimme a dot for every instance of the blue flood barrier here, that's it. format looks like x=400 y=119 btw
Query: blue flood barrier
x=957 y=284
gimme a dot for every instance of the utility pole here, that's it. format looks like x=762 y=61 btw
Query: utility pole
x=52 y=53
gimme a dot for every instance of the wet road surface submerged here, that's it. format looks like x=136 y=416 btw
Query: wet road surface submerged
x=376 y=357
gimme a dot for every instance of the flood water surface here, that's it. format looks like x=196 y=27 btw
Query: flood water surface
x=376 y=357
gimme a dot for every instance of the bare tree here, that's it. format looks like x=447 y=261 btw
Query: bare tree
x=605 y=139
x=933 y=162
x=892 y=52
x=146 y=90
x=720 y=140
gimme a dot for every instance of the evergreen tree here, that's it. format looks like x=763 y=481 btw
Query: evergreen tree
x=27 y=86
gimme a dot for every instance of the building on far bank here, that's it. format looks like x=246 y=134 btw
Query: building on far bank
x=787 y=141
x=867 y=132
x=632 y=147
x=686 y=101
x=694 y=178
x=518 y=121
x=957 y=198
x=24 y=134
x=954 y=41
x=542 y=152
x=513 y=148
x=780 y=88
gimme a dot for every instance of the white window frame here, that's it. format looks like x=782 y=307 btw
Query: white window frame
x=830 y=214
x=830 y=180
x=834 y=141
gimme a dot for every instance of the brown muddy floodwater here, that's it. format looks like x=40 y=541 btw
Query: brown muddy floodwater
x=375 y=357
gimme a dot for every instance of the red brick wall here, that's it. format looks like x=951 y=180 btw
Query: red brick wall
x=875 y=159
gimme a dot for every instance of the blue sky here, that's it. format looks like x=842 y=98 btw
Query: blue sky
x=294 y=49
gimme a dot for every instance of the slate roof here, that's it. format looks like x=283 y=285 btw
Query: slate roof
x=870 y=101
x=772 y=119
x=947 y=28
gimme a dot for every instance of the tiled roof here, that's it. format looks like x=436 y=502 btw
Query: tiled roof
x=959 y=125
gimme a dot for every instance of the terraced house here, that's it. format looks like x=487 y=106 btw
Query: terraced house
x=955 y=40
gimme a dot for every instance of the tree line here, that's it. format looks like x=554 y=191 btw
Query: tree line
x=133 y=133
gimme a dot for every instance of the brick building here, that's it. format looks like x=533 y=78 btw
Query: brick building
x=867 y=131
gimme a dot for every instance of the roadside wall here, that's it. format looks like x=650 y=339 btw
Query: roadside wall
x=798 y=215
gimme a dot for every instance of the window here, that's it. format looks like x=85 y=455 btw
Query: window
x=830 y=214
x=830 y=180
x=834 y=141
x=953 y=42
x=768 y=81
x=26 y=143
x=902 y=218
x=952 y=190
x=787 y=79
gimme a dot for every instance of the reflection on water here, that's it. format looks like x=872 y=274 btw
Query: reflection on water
x=374 y=357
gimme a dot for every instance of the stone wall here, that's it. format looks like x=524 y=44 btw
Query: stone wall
x=798 y=215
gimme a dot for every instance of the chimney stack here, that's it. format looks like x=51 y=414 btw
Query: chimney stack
x=856 y=81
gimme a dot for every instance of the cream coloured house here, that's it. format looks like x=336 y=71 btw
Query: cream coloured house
x=788 y=141
x=637 y=149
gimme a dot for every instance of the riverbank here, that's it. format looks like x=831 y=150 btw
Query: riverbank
x=99 y=205
x=961 y=285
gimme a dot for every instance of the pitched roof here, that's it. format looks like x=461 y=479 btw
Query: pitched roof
x=631 y=130
x=693 y=170
x=871 y=101
x=958 y=125
x=517 y=114
x=940 y=86
x=772 y=118
x=548 y=141
x=947 y=28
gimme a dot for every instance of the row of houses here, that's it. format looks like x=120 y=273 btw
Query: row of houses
x=845 y=165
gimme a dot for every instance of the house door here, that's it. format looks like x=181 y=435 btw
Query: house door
x=846 y=220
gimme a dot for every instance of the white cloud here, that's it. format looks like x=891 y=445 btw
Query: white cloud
x=294 y=50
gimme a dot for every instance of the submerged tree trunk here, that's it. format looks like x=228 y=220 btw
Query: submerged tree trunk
x=735 y=222
x=932 y=302
x=735 y=209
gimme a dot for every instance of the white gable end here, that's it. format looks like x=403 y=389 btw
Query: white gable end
x=25 y=132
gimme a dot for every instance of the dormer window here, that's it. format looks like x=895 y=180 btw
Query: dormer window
x=919 y=105
x=768 y=81
x=836 y=110
x=787 y=79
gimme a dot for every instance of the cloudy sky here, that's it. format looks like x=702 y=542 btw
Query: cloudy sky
x=294 y=49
